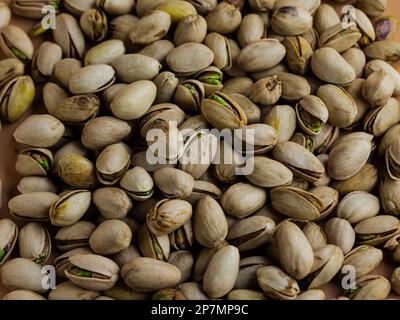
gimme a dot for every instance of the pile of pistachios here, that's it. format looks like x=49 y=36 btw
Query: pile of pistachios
x=317 y=90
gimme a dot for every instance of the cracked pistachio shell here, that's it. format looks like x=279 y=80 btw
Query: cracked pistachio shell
x=112 y=163
x=192 y=28
x=147 y=274
x=312 y=114
x=110 y=237
x=23 y=295
x=145 y=6
x=355 y=91
x=251 y=29
x=21 y=273
x=348 y=157
x=294 y=87
x=189 y=95
x=382 y=118
x=392 y=160
x=73 y=147
x=77 y=7
x=356 y=58
x=53 y=95
x=266 y=91
x=34 y=162
x=252 y=111
x=328 y=65
x=211 y=78
x=44 y=60
x=315 y=235
x=69 y=36
x=5 y=15
x=369 y=287
x=209 y=223
x=378 y=88
x=251 y=233
x=36 y=184
x=203 y=188
x=389 y=138
x=339 y=38
x=269 y=173
x=328 y=261
x=77 y=171
x=32 y=206
x=32 y=9
x=365 y=180
x=301 y=161
x=386 y=28
x=70 y=207
x=277 y=284
x=242 y=199
x=295 y=252
x=228 y=161
x=69 y=291
x=296 y=203
x=120 y=27
x=247 y=277
x=91 y=79
x=61 y=263
x=203 y=7
x=8 y=238
x=182 y=238
x=16 y=97
x=15 y=43
x=152 y=246
x=376 y=65
x=224 y=18
x=220 y=277
x=94 y=24
x=134 y=67
x=137 y=183
x=365 y=26
x=251 y=58
x=77 y=110
x=377 y=230
x=174 y=183
x=65 y=68
x=298 y=54
x=92 y=271
x=325 y=17
x=168 y=215
x=9 y=69
x=116 y=7
x=340 y=233
x=291 y=21
x=105 y=52
x=183 y=260
x=283 y=119
x=113 y=203
x=363 y=259
x=372 y=8
x=74 y=236
x=34 y=242
x=221 y=48
x=189 y=58
x=203 y=260
x=103 y=131
x=126 y=255
x=259 y=138
x=223 y=112
x=341 y=106
x=166 y=83
x=151 y=27
x=329 y=198
x=357 y=206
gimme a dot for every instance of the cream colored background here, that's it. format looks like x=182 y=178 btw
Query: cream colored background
x=8 y=149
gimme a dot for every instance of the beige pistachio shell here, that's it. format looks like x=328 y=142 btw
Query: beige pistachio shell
x=135 y=66
x=356 y=58
x=339 y=37
x=377 y=230
x=65 y=68
x=174 y=183
x=15 y=43
x=77 y=171
x=69 y=291
x=370 y=287
x=283 y=119
x=105 y=52
x=137 y=183
x=380 y=119
x=340 y=233
x=113 y=203
x=357 y=206
x=363 y=259
x=277 y=284
x=32 y=206
x=91 y=79
x=8 y=238
x=315 y=235
x=112 y=163
x=291 y=21
x=74 y=236
x=34 y=242
x=23 y=295
x=224 y=18
x=34 y=162
x=36 y=184
x=152 y=246
x=192 y=28
x=294 y=87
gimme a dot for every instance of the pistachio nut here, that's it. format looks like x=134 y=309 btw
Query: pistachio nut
x=65 y=68
x=77 y=171
x=329 y=198
x=73 y=147
x=126 y=255
x=166 y=83
x=224 y=18
x=5 y=15
x=189 y=58
x=355 y=91
x=189 y=95
x=220 y=277
x=44 y=60
x=23 y=295
x=395 y=280
x=36 y=184
x=69 y=36
x=259 y=138
x=110 y=237
x=247 y=277
x=312 y=294
x=103 y=131
x=94 y=24
x=283 y=119
x=340 y=233
x=315 y=235
x=113 y=203
x=192 y=28
x=77 y=110
x=182 y=238
x=357 y=206
x=339 y=38
x=378 y=88
x=116 y=7
x=91 y=79
x=252 y=111
x=227 y=162
x=74 y=236
x=211 y=78
x=158 y=50
x=34 y=162
x=15 y=43
x=294 y=87
x=9 y=236
x=9 y=69
x=245 y=294
x=356 y=58
x=266 y=91
x=238 y=85
x=137 y=183
x=251 y=233
x=298 y=54
x=152 y=246
x=120 y=27
x=325 y=17
x=389 y=191
x=369 y=287
x=296 y=203
x=221 y=48
x=70 y=207
x=372 y=8
x=386 y=28
x=184 y=261
x=251 y=59
x=174 y=183
x=69 y=291
x=105 y=52
x=277 y=284
x=168 y=215
x=300 y=21
x=21 y=273
x=32 y=9
x=163 y=275
x=363 y=259
x=204 y=188
x=328 y=65
x=34 y=242
x=61 y=263
x=389 y=138
x=16 y=97
x=312 y=114
x=376 y=230
x=32 y=206
x=77 y=7
x=251 y=29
